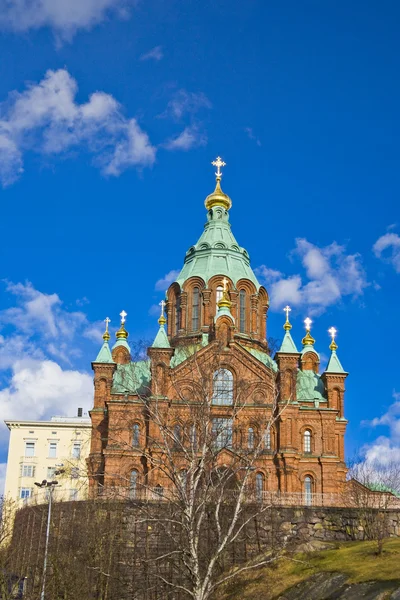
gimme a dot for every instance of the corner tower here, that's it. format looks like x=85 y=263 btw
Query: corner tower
x=216 y=267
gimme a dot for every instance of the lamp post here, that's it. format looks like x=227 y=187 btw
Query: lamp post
x=50 y=485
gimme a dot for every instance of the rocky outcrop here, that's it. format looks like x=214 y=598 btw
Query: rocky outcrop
x=335 y=586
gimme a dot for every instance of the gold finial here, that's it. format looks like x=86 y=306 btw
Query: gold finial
x=332 y=332
x=218 y=198
x=287 y=326
x=106 y=335
x=225 y=301
x=162 y=320
x=122 y=334
x=308 y=340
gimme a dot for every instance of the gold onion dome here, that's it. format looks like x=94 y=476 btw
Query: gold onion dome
x=218 y=198
x=308 y=340
x=122 y=334
x=224 y=302
x=162 y=320
x=287 y=326
x=106 y=335
x=333 y=345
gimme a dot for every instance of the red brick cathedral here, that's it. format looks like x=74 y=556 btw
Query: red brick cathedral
x=213 y=341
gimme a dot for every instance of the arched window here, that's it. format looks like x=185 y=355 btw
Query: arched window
x=136 y=435
x=195 y=309
x=218 y=296
x=259 y=486
x=250 y=438
x=177 y=314
x=177 y=434
x=193 y=438
x=308 y=489
x=242 y=311
x=223 y=387
x=133 y=484
x=307 y=441
x=267 y=439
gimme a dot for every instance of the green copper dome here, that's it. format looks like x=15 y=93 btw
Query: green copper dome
x=217 y=251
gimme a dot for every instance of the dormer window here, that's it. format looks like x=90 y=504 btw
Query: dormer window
x=195 y=308
x=242 y=311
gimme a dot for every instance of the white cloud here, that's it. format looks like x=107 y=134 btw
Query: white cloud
x=41 y=388
x=189 y=138
x=387 y=248
x=155 y=53
x=164 y=283
x=330 y=274
x=251 y=135
x=3 y=468
x=184 y=103
x=65 y=17
x=46 y=118
x=385 y=450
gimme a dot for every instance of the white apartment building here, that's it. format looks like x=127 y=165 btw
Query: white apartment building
x=38 y=449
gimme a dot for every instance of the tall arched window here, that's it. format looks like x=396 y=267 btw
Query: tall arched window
x=133 y=484
x=267 y=439
x=308 y=489
x=250 y=438
x=195 y=308
x=177 y=434
x=259 y=486
x=223 y=387
x=177 y=314
x=135 y=435
x=307 y=441
x=193 y=437
x=242 y=311
x=218 y=296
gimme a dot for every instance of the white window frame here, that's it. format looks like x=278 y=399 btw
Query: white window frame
x=53 y=446
x=25 y=493
x=27 y=471
x=32 y=447
x=76 y=446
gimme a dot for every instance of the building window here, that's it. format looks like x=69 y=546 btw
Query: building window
x=218 y=295
x=222 y=432
x=242 y=311
x=53 y=450
x=29 y=448
x=178 y=314
x=28 y=471
x=74 y=473
x=159 y=490
x=73 y=494
x=193 y=437
x=177 y=434
x=51 y=471
x=267 y=439
x=259 y=486
x=133 y=484
x=136 y=435
x=76 y=450
x=250 y=438
x=307 y=441
x=308 y=485
x=195 y=309
x=25 y=493
x=223 y=388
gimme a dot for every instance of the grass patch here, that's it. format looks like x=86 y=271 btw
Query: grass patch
x=358 y=560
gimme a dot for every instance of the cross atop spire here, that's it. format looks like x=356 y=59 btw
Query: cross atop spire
x=332 y=332
x=308 y=340
x=123 y=316
x=225 y=284
x=287 y=326
x=162 y=320
x=218 y=163
x=106 y=335
x=307 y=323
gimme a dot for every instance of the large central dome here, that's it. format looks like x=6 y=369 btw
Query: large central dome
x=217 y=251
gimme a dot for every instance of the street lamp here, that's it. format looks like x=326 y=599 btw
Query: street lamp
x=50 y=485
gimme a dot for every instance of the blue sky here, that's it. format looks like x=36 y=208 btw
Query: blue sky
x=111 y=112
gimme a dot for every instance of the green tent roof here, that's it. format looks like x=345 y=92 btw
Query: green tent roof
x=334 y=365
x=104 y=356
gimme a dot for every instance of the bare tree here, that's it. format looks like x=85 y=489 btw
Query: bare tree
x=204 y=471
x=374 y=489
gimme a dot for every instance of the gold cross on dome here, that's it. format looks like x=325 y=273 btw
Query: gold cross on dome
x=287 y=310
x=107 y=321
x=218 y=163
x=162 y=304
x=332 y=332
x=123 y=316
x=225 y=283
x=307 y=323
